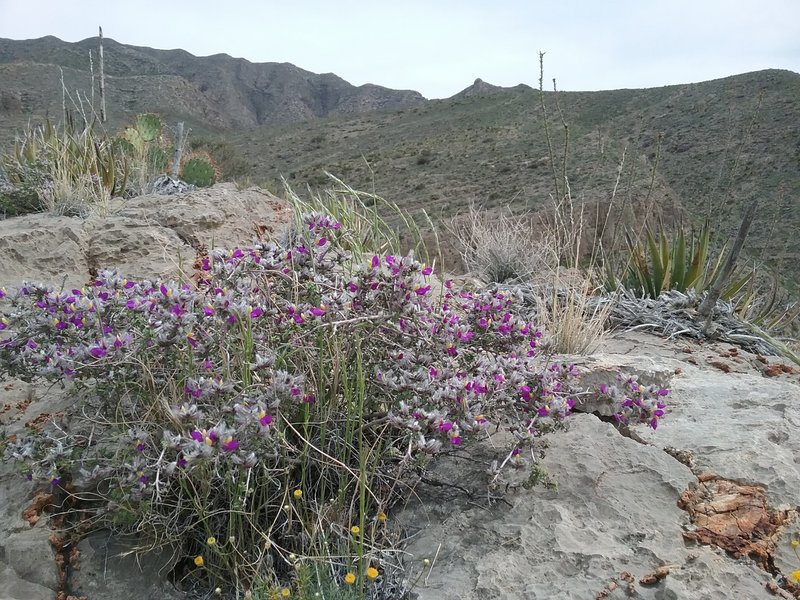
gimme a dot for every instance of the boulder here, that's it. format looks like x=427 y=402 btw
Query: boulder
x=148 y=236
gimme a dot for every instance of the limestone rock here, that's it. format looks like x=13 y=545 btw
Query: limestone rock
x=106 y=570
x=148 y=236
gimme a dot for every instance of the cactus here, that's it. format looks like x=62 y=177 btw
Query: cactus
x=199 y=169
x=144 y=131
x=149 y=126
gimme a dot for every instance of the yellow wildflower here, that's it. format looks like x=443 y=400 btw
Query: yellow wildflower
x=349 y=579
x=286 y=592
x=211 y=541
x=298 y=494
x=372 y=573
x=381 y=517
x=198 y=560
x=795 y=543
x=355 y=530
x=796 y=576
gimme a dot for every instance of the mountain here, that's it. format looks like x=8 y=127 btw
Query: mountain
x=213 y=92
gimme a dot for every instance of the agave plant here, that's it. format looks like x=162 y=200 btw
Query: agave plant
x=658 y=264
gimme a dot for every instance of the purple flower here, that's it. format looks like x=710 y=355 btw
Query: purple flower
x=197 y=436
x=455 y=440
x=265 y=419
x=445 y=426
x=55 y=481
x=663 y=392
x=322 y=241
x=230 y=445
x=427 y=271
x=256 y=312
x=376 y=262
x=603 y=389
x=98 y=351
x=140 y=447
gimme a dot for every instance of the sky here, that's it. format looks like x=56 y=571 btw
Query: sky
x=440 y=47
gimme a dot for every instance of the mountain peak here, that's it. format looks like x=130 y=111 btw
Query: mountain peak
x=478 y=87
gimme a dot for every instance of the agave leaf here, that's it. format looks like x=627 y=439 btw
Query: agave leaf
x=697 y=265
x=736 y=285
x=657 y=279
x=679 y=263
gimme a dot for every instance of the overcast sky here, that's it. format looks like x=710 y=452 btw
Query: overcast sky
x=440 y=47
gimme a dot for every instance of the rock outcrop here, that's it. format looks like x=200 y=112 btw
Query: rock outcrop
x=619 y=517
x=148 y=236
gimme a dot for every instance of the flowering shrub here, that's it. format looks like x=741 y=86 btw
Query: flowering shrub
x=263 y=416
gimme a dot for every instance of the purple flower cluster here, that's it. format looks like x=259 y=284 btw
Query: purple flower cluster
x=637 y=403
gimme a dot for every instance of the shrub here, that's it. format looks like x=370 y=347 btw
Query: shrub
x=264 y=421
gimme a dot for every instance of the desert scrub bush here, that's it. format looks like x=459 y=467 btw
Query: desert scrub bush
x=263 y=422
x=72 y=170
x=501 y=247
x=508 y=248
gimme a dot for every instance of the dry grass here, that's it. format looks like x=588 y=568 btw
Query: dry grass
x=572 y=323
x=502 y=247
x=516 y=249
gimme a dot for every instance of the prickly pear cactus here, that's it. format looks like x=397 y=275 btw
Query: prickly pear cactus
x=148 y=125
x=199 y=169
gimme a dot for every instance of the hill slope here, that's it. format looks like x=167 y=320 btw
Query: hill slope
x=698 y=150
x=718 y=145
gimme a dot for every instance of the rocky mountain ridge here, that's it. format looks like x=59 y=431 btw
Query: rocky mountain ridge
x=224 y=91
